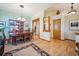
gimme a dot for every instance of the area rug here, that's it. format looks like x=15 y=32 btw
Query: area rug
x=28 y=50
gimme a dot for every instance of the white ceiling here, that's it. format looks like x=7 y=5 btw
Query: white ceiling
x=64 y=8
x=29 y=9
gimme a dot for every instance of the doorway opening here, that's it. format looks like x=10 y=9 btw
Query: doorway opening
x=36 y=27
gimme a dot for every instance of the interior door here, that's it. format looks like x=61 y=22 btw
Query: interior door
x=57 y=29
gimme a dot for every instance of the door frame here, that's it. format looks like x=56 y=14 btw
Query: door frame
x=36 y=20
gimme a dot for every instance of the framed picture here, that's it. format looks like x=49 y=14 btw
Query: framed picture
x=74 y=25
x=2 y=24
x=46 y=24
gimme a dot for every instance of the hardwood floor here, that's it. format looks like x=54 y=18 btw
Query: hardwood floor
x=53 y=47
x=57 y=47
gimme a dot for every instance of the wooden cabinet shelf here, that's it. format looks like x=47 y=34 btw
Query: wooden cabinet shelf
x=16 y=23
x=16 y=26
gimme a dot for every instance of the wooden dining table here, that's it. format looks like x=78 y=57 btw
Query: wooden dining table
x=22 y=36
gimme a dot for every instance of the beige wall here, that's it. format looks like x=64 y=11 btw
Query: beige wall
x=50 y=13
x=70 y=34
x=66 y=32
x=43 y=35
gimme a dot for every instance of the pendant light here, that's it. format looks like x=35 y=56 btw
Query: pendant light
x=21 y=17
x=58 y=12
x=72 y=11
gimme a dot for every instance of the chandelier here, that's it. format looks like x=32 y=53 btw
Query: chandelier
x=21 y=17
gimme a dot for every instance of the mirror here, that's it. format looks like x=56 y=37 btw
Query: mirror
x=46 y=24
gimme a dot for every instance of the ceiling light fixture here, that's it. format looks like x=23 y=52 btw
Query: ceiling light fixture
x=21 y=17
x=72 y=11
x=58 y=12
